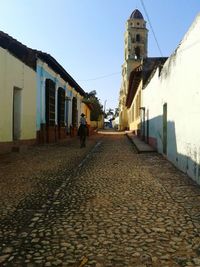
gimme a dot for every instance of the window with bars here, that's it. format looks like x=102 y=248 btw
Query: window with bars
x=137 y=52
x=74 y=112
x=50 y=102
x=61 y=107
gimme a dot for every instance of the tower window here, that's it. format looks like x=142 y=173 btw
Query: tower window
x=137 y=38
x=137 y=52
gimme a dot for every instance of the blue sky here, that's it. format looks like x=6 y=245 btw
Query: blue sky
x=87 y=36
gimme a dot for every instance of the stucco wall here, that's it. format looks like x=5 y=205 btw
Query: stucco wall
x=79 y=106
x=45 y=72
x=14 y=73
x=99 y=123
x=85 y=109
x=134 y=112
x=179 y=87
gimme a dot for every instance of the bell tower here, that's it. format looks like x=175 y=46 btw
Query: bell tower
x=136 y=38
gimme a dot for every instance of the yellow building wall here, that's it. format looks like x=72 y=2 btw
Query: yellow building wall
x=85 y=109
x=14 y=73
x=134 y=112
x=99 y=123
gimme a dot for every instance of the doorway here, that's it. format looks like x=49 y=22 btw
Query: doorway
x=165 y=128
x=17 y=103
x=61 y=112
x=147 y=136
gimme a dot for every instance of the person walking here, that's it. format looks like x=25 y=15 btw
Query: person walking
x=82 y=130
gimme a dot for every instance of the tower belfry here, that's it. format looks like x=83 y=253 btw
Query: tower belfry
x=136 y=37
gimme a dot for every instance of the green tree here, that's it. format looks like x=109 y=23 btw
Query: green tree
x=110 y=112
x=97 y=108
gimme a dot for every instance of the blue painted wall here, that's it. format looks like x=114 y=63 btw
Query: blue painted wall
x=42 y=75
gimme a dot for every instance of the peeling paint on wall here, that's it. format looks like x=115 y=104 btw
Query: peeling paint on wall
x=178 y=85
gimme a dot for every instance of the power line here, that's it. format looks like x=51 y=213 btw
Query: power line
x=100 y=77
x=146 y=13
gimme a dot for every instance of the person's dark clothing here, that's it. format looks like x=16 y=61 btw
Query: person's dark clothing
x=82 y=133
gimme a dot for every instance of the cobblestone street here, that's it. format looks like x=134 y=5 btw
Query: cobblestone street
x=104 y=205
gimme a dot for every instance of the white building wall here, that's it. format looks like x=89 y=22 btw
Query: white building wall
x=179 y=87
x=15 y=74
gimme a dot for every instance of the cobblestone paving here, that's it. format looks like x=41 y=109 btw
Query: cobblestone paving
x=36 y=169
x=117 y=208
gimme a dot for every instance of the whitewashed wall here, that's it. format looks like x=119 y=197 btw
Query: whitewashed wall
x=14 y=73
x=179 y=87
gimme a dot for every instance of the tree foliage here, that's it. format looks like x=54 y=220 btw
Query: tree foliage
x=97 y=108
x=109 y=112
x=112 y=113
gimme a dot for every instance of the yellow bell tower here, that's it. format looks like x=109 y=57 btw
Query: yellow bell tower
x=136 y=39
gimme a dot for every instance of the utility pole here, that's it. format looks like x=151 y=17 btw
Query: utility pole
x=104 y=110
x=104 y=106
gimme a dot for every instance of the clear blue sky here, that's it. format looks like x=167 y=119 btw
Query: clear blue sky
x=87 y=36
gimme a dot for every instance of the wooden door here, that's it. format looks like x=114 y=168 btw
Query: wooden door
x=17 y=95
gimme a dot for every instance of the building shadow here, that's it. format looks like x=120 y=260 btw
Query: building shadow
x=163 y=137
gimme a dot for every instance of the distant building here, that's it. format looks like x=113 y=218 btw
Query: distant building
x=115 y=123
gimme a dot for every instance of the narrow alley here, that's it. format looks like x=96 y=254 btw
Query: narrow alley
x=105 y=205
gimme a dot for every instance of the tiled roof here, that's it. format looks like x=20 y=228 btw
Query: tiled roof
x=17 y=49
x=54 y=65
x=134 y=81
x=149 y=67
x=29 y=57
x=143 y=72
